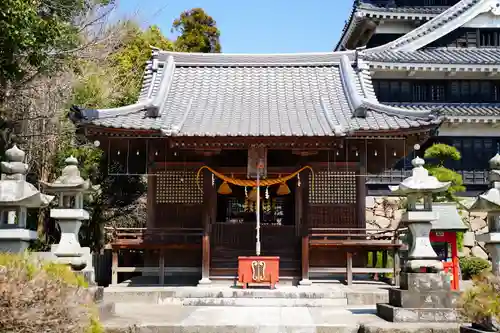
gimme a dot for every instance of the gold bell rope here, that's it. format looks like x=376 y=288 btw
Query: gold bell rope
x=252 y=183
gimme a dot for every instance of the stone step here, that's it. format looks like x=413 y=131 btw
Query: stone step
x=257 y=302
x=207 y=328
x=159 y=295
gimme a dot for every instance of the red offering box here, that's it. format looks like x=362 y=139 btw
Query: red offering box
x=257 y=269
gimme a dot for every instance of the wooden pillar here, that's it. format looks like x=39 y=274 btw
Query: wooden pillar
x=349 y=267
x=452 y=236
x=208 y=195
x=151 y=195
x=303 y=199
x=114 y=267
x=161 y=264
x=361 y=189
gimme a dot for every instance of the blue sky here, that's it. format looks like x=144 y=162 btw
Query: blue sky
x=258 y=26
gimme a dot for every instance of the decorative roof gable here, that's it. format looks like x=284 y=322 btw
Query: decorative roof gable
x=444 y=23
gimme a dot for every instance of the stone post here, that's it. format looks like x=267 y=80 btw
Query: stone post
x=16 y=196
x=425 y=293
x=70 y=188
x=489 y=202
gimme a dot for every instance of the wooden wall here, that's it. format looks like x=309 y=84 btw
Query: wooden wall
x=177 y=202
x=335 y=199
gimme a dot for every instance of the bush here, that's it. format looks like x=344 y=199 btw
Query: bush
x=481 y=303
x=43 y=297
x=472 y=266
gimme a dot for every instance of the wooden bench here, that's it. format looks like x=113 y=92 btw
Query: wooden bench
x=352 y=240
x=153 y=239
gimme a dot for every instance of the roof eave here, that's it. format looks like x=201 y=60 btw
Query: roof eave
x=429 y=66
x=152 y=105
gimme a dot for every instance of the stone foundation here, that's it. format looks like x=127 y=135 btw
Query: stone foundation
x=423 y=297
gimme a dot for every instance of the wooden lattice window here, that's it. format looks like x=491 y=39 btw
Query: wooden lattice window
x=178 y=187
x=334 y=187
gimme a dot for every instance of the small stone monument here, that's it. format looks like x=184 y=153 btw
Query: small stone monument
x=16 y=197
x=70 y=188
x=425 y=293
x=490 y=202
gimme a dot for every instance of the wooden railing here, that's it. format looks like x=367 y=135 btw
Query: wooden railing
x=152 y=239
x=351 y=240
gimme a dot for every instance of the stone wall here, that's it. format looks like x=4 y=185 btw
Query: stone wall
x=386 y=212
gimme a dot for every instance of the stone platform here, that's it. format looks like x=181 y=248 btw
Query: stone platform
x=328 y=307
x=137 y=318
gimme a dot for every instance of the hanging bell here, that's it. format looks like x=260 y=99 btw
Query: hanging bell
x=283 y=189
x=224 y=189
x=252 y=196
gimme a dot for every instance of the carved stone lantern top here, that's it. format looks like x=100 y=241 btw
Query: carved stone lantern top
x=70 y=180
x=420 y=182
x=489 y=201
x=15 y=191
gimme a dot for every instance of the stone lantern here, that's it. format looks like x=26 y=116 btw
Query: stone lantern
x=418 y=218
x=489 y=202
x=425 y=293
x=70 y=188
x=16 y=196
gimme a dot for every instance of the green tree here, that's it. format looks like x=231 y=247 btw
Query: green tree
x=197 y=31
x=36 y=37
x=437 y=155
x=129 y=60
x=112 y=83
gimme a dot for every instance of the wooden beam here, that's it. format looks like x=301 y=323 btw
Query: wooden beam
x=208 y=152
x=301 y=152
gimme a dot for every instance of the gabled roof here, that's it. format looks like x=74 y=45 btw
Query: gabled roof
x=449 y=20
x=319 y=94
x=376 y=10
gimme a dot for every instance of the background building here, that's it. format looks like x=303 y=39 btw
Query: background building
x=434 y=54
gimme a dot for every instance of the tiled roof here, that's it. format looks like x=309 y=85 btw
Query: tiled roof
x=403 y=9
x=448 y=217
x=256 y=95
x=466 y=56
x=456 y=109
